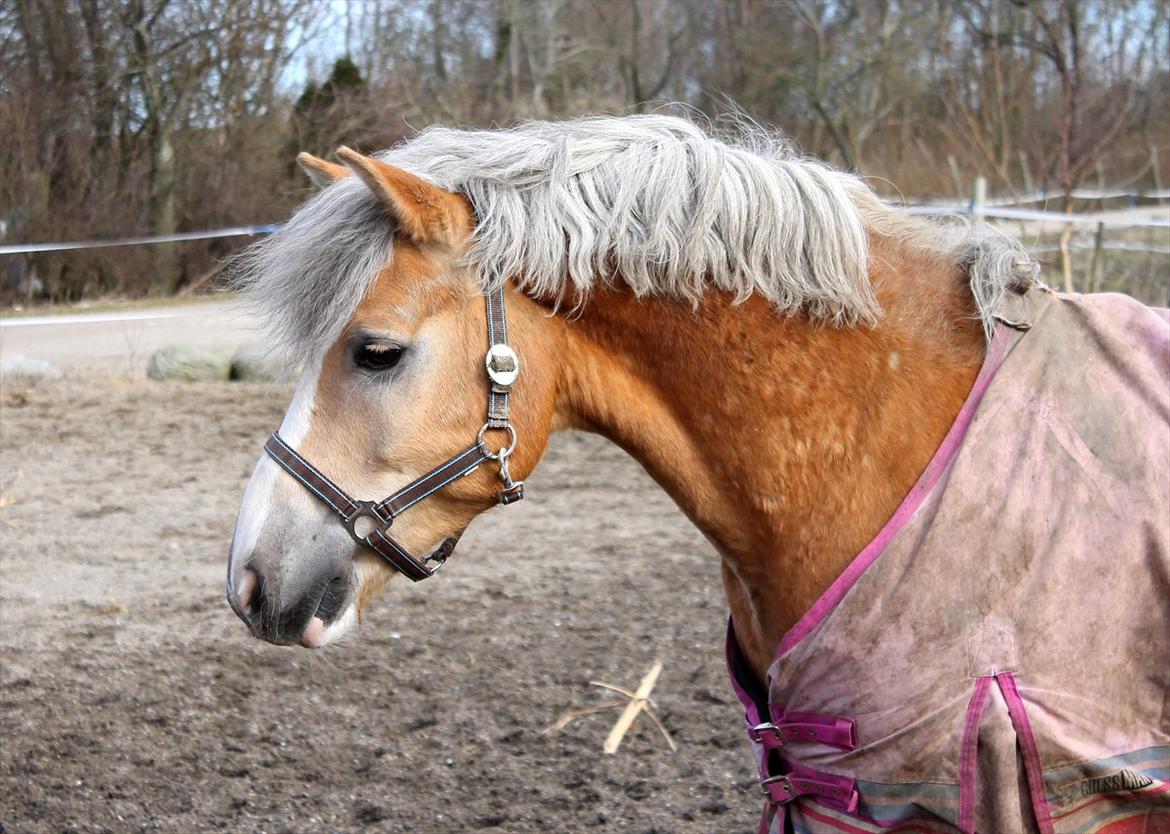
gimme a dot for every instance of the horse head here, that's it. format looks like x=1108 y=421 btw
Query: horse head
x=398 y=388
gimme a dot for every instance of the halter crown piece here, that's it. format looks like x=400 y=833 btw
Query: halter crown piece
x=503 y=368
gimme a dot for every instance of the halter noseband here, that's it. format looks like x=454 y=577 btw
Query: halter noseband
x=503 y=367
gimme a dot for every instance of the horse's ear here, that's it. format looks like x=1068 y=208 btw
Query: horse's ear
x=322 y=173
x=424 y=212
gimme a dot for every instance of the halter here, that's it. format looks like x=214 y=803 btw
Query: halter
x=503 y=367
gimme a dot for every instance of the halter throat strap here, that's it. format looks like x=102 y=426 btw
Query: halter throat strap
x=368 y=522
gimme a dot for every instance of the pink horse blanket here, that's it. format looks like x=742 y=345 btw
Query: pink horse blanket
x=998 y=658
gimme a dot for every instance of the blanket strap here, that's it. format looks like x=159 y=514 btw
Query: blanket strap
x=812 y=727
x=798 y=727
x=838 y=792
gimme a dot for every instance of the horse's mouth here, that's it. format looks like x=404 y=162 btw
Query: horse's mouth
x=335 y=612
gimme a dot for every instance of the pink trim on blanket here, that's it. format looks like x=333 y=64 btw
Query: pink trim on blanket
x=838 y=825
x=910 y=826
x=996 y=353
x=1027 y=741
x=968 y=758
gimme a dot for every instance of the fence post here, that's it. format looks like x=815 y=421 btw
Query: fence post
x=1066 y=256
x=1157 y=170
x=979 y=198
x=1101 y=185
x=1098 y=259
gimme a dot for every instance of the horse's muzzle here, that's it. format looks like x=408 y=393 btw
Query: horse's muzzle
x=281 y=621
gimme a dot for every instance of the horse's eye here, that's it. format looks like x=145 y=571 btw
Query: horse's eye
x=376 y=356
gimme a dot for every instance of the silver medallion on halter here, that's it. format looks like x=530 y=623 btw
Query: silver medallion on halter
x=503 y=367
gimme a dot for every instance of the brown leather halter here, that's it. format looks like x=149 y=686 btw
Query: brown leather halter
x=503 y=367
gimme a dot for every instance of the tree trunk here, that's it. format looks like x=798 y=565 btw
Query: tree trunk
x=162 y=210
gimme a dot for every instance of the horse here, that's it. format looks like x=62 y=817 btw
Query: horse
x=817 y=379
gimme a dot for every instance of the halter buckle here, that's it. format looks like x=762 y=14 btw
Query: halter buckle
x=503 y=367
x=365 y=509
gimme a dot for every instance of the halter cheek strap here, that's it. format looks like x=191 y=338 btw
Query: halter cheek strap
x=503 y=368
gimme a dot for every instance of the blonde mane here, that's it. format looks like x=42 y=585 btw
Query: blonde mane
x=655 y=203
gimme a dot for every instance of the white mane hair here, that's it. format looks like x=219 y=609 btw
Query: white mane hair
x=655 y=203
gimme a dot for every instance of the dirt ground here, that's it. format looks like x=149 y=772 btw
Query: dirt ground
x=133 y=700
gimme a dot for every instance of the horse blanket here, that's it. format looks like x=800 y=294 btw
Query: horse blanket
x=997 y=659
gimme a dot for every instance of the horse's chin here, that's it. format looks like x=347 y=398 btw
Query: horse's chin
x=373 y=575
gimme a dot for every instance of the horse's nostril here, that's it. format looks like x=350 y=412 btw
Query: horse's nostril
x=332 y=599
x=245 y=588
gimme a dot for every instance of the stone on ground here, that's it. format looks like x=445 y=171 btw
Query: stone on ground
x=25 y=370
x=255 y=363
x=188 y=363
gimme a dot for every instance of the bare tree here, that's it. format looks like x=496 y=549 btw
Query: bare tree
x=1099 y=56
x=126 y=116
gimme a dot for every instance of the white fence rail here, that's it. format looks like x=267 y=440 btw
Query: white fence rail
x=1080 y=194
x=1127 y=219
x=65 y=246
x=1108 y=245
x=1124 y=220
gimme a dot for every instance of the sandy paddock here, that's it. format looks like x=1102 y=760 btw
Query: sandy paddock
x=132 y=699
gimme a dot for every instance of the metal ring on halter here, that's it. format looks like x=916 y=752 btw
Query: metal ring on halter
x=365 y=509
x=505 y=451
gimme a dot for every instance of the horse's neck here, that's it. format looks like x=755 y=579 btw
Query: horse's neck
x=788 y=443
